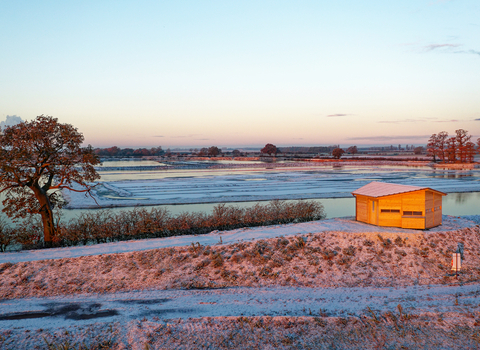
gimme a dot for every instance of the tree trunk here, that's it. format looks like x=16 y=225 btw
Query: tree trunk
x=47 y=215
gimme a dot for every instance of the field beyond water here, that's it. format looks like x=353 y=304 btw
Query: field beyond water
x=345 y=288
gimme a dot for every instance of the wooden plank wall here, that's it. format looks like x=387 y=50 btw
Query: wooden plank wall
x=413 y=201
x=389 y=203
x=429 y=203
x=437 y=215
x=362 y=213
x=429 y=209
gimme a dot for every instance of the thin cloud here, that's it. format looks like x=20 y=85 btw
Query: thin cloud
x=408 y=120
x=402 y=121
x=390 y=138
x=439 y=46
x=429 y=120
x=337 y=115
x=158 y=136
x=185 y=136
x=477 y=120
x=470 y=52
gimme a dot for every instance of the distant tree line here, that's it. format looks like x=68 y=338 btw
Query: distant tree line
x=305 y=150
x=212 y=151
x=335 y=151
x=129 y=152
x=453 y=149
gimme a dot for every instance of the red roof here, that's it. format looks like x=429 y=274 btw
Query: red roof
x=380 y=189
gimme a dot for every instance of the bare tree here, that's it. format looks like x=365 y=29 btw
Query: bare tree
x=451 y=150
x=470 y=151
x=352 y=150
x=337 y=153
x=37 y=160
x=432 y=147
x=418 y=150
x=269 y=149
x=437 y=146
x=462 y=138
x=214 y=151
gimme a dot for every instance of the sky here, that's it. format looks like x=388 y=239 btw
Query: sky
x=244 y=73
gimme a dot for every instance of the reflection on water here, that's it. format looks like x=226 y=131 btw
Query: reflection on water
x=334 y=207
x=460 y=197
x=462 y=203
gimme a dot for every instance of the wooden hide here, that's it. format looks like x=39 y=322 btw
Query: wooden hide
x=418 y=209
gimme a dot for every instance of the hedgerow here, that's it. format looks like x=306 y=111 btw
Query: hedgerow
x=104 y=226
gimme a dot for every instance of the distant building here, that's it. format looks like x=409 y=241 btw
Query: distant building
x=385 y=204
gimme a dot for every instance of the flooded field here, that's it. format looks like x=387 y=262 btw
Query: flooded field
x=188 y=190
x=199 y=190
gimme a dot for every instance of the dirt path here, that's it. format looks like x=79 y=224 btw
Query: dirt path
x=280 y=301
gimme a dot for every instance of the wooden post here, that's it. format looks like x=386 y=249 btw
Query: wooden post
x=456 y=263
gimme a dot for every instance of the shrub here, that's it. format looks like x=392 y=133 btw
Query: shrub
x=349 y=251
x=399 y=241
x=367 y=243
x=217 y=259
x=29 y=233
x=344 y=260
x=7 y=236
x=329 y=254
x=105 y=226
x=202 y=264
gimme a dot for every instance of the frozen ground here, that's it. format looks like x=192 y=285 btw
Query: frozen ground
x=34 y=313
x=386 y=287
x=129 y=189
x=347 y=224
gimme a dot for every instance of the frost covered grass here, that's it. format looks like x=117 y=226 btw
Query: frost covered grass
x=414 y=267
x=323 y=259
x=371 y=331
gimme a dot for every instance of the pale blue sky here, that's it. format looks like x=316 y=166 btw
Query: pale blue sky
x=225 y=73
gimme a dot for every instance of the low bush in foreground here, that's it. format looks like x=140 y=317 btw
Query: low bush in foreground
x=105 y=226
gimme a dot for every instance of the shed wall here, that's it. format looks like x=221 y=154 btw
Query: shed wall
x=361 y=208
x=437 y=214
x=416 y=210
x=390 y=211
x=413 y=202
